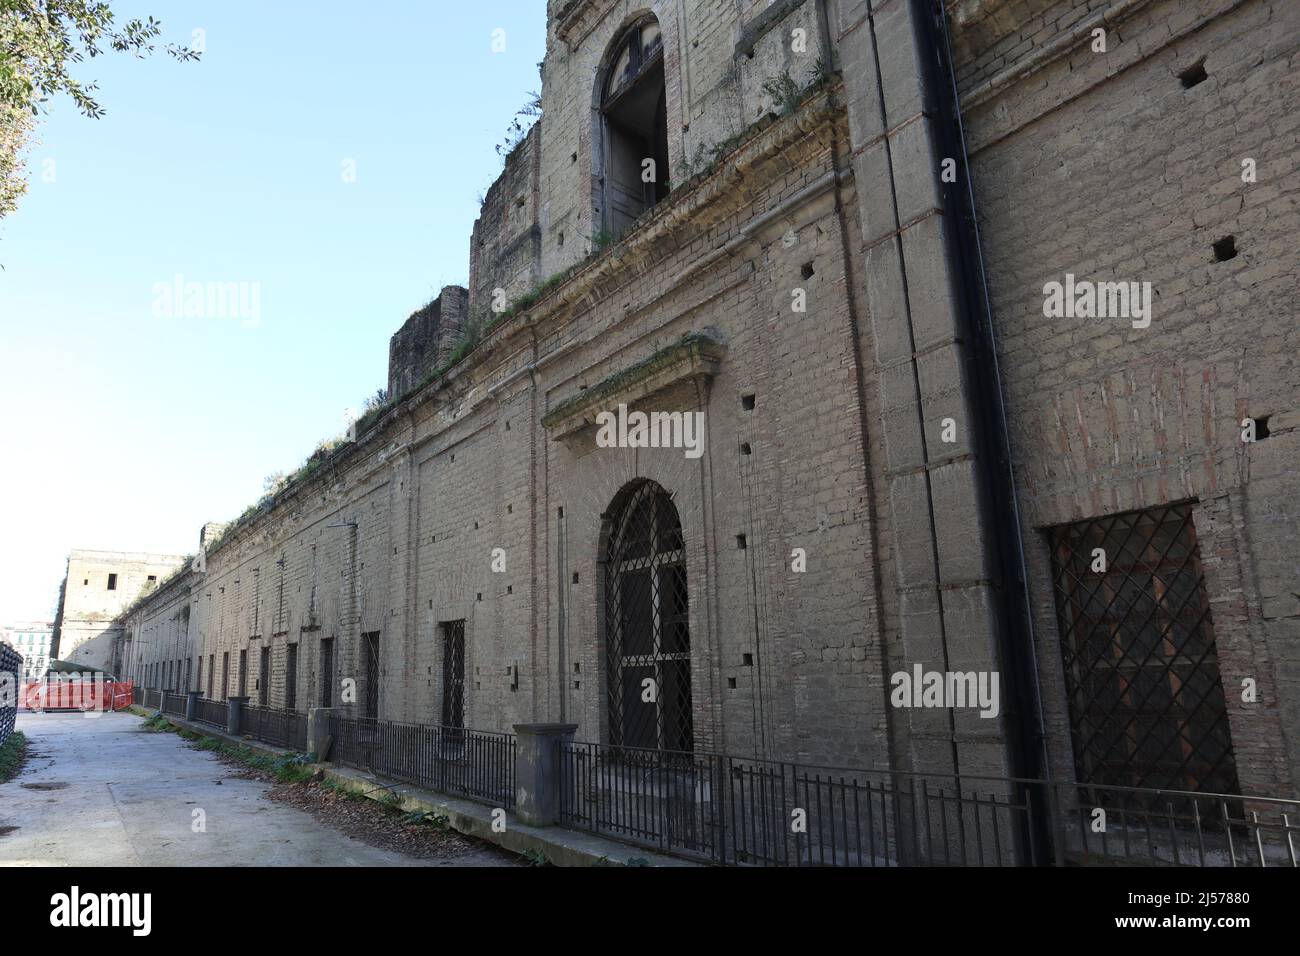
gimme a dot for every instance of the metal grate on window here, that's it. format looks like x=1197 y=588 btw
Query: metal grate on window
x=1146 y=700
x=648 y=644
x=453 y=674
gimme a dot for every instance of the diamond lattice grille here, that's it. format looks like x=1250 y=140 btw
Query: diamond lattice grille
x=1146 y=701
x=646 y=629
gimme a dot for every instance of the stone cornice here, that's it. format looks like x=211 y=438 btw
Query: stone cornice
x=578 y=18
x=696 y=356
x=711 y=195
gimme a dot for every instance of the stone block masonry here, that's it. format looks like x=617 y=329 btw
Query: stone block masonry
x=461 y=559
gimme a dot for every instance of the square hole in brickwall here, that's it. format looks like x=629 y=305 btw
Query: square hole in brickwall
x=731 y=683
x=1194 y=74
x=749 y=660
x=575 y=577
x=742 y=542
x=745 y=449
x=808 y=271
x=747 y=402
x=1225 y=249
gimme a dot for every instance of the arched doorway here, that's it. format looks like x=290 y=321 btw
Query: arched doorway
x=634 y=127
x=647 y=631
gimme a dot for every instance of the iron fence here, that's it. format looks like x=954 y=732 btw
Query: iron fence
x=137 y=696
x=280 y=728
x=214 y=713
x=1103 y=825
x=11 y=668
x=469 y=763
x=173 y=704
x=153 y=699
x=729 y=810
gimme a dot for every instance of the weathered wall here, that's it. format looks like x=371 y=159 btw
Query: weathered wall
x=90 y=623
x=824 y=429
x=1104 y=165
x=426 y=341
x=505 y=248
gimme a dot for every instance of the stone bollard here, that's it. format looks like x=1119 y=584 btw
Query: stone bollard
x=235 y=715
x=537 y=771
x=191 y=705
x=319 y=741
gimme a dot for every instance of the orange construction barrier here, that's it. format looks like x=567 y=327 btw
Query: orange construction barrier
x=75 y=694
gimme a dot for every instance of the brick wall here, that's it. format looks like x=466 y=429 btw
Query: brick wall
x=1108 y=167
x=823 y=428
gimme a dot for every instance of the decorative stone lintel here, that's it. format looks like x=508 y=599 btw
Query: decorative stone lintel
x=697 y=356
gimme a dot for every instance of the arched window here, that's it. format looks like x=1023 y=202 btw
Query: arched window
x=647 y=635
x=634 y=127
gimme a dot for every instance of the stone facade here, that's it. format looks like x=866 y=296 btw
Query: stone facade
x=859 y=436
x=99 y=588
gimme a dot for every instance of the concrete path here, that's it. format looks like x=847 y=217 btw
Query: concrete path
x=102 y=792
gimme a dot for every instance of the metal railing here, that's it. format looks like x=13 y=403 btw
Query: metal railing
x=214 y=713
x=153 y=699
x=137 y=696
x=729 y=810
x=1101 y=825
x=280 y=728
x=173 y=704
x=469 y=763
x=11 y=667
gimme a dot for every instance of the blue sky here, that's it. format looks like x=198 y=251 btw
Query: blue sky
x=129 y=427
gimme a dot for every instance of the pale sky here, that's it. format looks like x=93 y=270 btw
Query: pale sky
x=130 y=426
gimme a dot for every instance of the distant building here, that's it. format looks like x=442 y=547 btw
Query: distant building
x=99 y=587
x=32 y=639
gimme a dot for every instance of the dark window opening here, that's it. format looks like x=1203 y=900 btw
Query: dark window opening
x=370 y=659
x=327 y=672
x=291 y=677
x=225 y=675
x=647 y=636
x=453 y=674
x=243 y=674
x=634 y=121
x=264 y=679
x=112 y=582
x=212 y=668
x=1147 y=707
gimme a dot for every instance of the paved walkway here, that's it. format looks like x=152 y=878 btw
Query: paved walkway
x=102 y=792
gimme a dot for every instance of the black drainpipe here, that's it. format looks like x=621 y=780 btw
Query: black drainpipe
x=1027 y=743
